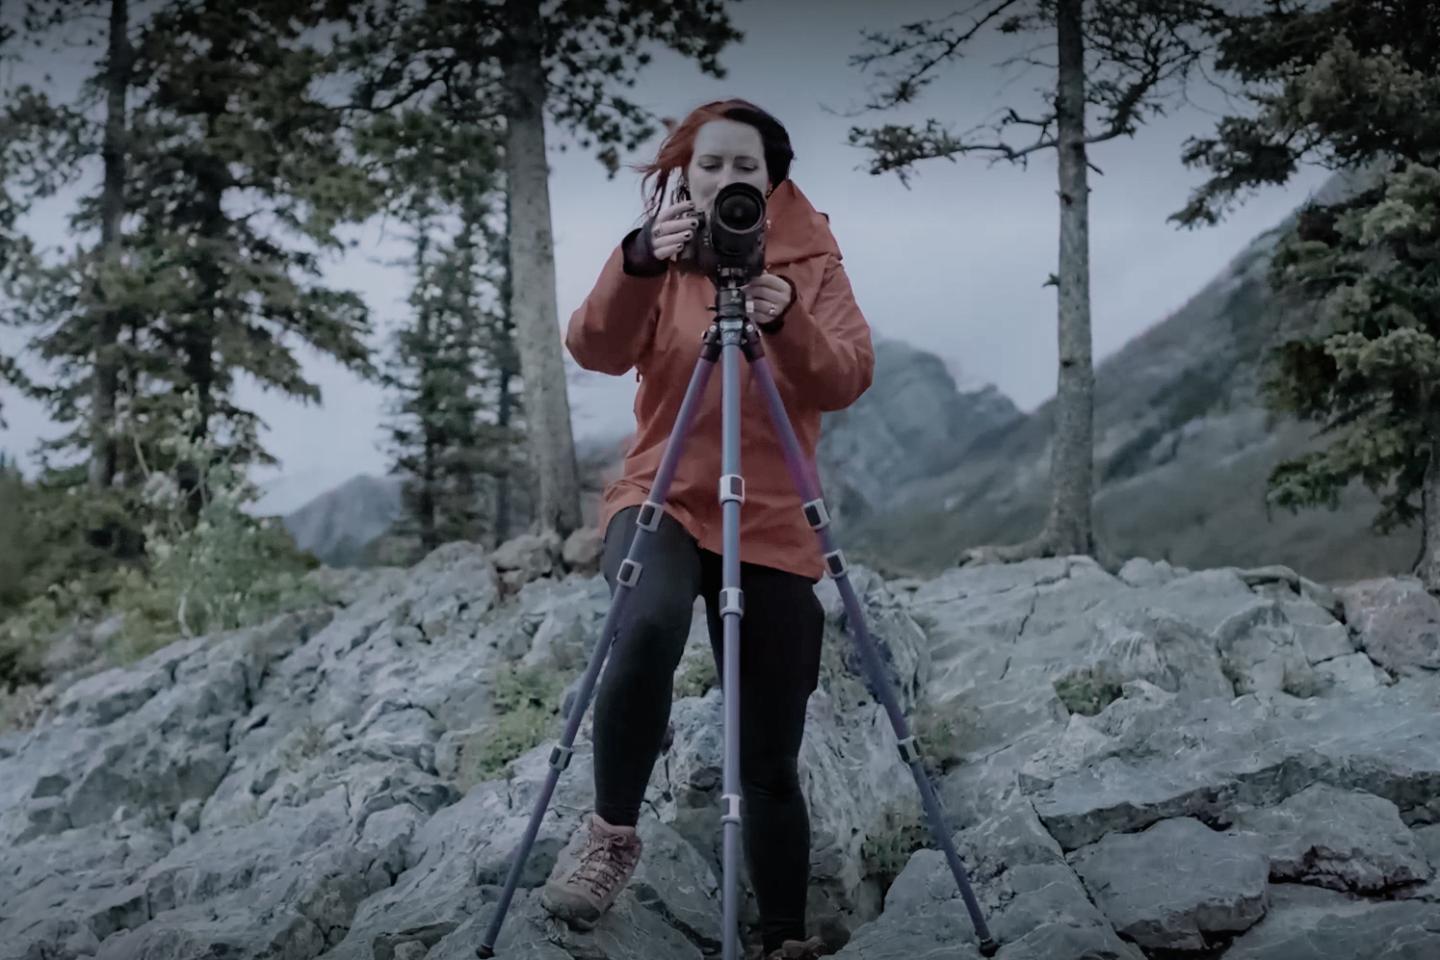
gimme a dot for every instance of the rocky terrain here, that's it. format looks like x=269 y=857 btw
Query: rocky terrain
x=1225 y=763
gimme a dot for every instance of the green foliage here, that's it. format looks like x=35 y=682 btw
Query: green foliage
x=17 y=543
x=942 y=736
x=525 y=701
x=591 y=54
x=886 y=851
x=1340 y=83
x=221 y=570
x=1353 y=85
x=234 y=177
x=453 y=370
x=696 y=675
x=224 y=570
x=1086 y=692
x=1367 y=367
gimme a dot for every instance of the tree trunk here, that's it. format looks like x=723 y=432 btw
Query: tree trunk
x=112 y=208
x=212 y=178
x=426 y=501
x=1072 y=467
x=1068 y=529
x=1427 y=568
x=504 y=355
x=532 y=304
x=503 y=508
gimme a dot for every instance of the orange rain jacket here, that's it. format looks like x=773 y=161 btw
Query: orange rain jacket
x=821 y=358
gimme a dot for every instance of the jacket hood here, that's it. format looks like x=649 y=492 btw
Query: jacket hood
x=797 y=231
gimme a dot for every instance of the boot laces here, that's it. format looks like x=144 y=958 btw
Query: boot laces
x=600 y=863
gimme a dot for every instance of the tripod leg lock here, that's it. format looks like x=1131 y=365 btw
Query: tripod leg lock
x=649 y=518
x=835 y=564
x=629 y=573
x=909 y=749
x=817 y=514
x=732 y=808
x=732 y=487
x=560 y=756
x=732 y=600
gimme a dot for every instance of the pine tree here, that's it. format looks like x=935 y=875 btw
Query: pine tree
x=446 y=439
x=529 y=60
x=232 y=134
x=38 y=146
x=231 y=174
x=1125 y=58
x=435 y=438
x=1355 y=86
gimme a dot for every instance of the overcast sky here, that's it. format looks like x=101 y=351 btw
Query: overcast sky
x=953 y=265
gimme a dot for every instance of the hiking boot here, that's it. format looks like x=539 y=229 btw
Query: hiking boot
x=592 y=871
x=799 y=950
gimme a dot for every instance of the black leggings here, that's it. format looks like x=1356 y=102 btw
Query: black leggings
x=781 y=630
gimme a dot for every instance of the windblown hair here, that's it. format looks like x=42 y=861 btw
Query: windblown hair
x=679 y=145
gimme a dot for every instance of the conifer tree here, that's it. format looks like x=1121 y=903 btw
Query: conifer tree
x=529 y=61
x=446 y=437
x=1353 y=85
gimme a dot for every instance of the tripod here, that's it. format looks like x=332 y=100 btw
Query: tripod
x=732 y=332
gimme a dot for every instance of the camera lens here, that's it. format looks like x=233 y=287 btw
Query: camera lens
x=739 y=211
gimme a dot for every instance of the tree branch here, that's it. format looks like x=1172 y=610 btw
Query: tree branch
x=916 y=76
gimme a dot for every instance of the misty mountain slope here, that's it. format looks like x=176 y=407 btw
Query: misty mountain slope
x=912 y=424
x=1183 y=446
x=337 y=525
x=355 y=524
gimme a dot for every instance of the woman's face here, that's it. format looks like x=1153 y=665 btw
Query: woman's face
x=726 y=151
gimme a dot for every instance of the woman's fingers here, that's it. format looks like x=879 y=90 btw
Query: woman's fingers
x=672 y=230
x=675 y=210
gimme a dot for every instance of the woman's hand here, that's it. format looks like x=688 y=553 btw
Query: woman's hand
x=672 y=229
x=767 y=296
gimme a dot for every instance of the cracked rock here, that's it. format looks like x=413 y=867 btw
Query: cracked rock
x=1340 y=839
x=1214 y=887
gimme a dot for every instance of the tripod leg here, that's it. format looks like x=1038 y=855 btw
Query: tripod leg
x=732 y=494
x=819 y=519
x=629 y=574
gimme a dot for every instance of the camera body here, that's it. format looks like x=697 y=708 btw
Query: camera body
x=729 y=245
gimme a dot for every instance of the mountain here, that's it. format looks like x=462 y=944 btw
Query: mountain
x=350 y=525
x=912 y=424
x=339 y=524
x=1183 y=446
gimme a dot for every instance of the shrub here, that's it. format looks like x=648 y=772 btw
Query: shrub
x=526 y=704
x=142 y=553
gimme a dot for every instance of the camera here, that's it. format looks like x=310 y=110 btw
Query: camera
x=730 y=244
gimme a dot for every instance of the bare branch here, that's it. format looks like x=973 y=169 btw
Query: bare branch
x=945 y=44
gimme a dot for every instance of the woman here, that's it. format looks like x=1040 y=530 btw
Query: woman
x=648 y=311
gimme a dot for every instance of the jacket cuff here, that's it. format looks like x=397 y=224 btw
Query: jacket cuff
x=639 y=261
x=776 y=323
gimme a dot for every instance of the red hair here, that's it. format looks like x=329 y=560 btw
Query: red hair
x=678 y=146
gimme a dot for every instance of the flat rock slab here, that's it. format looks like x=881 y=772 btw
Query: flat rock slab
x=1177 y=885
x=1214 y=756
x=1340 y=839
x=1307 y=923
